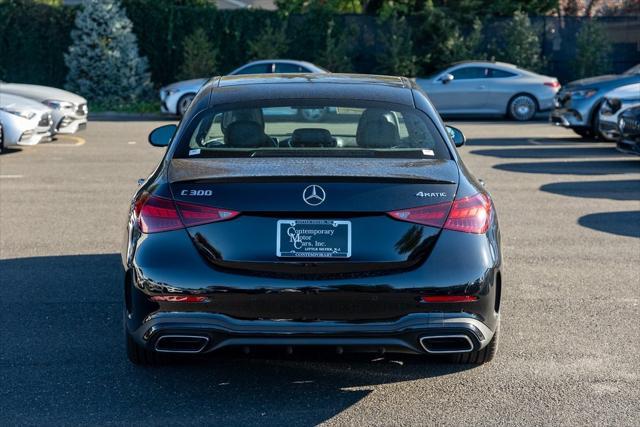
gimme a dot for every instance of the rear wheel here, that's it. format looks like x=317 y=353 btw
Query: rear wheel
x=479 y=357
x=522 y=108
x=184 y=102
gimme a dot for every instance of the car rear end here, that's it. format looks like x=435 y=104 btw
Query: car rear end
x=313 y=245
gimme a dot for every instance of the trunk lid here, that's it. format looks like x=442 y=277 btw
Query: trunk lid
x=349 y=196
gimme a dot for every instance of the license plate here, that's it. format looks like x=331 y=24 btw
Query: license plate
x=314 y=238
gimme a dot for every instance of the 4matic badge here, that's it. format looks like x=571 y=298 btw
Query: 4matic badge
x=430 y=194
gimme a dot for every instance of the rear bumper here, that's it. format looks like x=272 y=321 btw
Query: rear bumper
x=409 y=334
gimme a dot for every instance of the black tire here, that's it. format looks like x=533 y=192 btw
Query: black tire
x=522 y=107
x=585 y=133
x=481 y=356
x=183 y=103
x=141 y=356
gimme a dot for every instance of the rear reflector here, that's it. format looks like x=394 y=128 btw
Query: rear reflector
x=178 y=298
x=554 y=84
x=449 y=298
x=157 y=214
x=470 y=215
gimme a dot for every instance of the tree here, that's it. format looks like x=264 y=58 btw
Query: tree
x=199 y=56
x=103 y=60
x=439 y=41
x=396 y=56
x=336 y=54
x=270 y=43
x=592 y=51
x=516 y=41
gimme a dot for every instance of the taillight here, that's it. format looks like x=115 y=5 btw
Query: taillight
x=193 y=214
x=554 y=84
x=433 y=215
x=155 y=214
x=470 y=215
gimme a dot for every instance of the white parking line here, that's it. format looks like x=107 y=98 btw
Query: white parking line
x=11 y=176
x=131 y=142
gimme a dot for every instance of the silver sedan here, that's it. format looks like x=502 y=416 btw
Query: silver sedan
x=176 y=97
x=490 y=88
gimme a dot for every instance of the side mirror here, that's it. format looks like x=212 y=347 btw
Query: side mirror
x=456 y=136
x=446 y=78
x=161 y=137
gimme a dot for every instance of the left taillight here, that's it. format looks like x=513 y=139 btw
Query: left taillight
x=470 y=214
x=554 y=84
x=155 y=214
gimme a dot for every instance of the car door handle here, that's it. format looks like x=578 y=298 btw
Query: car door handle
x=482 y=87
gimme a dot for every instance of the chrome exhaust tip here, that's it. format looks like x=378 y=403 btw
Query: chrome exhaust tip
x=446 y=344
x=181 y=343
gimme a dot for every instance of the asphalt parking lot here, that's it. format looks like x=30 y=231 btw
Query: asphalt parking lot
x=570 y=220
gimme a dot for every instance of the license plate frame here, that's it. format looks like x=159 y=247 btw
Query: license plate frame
x=313 y=239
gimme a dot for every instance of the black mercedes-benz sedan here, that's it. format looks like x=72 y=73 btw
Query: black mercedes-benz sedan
x=362 y=232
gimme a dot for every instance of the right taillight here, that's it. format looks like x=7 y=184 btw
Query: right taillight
x=470 y=215
x=155 y=214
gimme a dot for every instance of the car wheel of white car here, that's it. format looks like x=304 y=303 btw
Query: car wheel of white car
x=313 y=114
x=184 y=102
x=522 y=108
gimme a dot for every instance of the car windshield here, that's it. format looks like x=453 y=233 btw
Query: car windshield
x=633 y=70
x=317 y=129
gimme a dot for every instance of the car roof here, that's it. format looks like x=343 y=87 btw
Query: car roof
x=305 y=64
x=485 y=63
x=241 y=88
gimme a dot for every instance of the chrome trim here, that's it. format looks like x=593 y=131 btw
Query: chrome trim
x=206 y=341
x=446 y=351
x=484 y=329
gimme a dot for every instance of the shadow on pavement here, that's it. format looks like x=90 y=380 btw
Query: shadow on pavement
x=62 y=359
x=613 y=190
x=538 y=152
x=524 y=142
x=619 y=223
x=590 y=167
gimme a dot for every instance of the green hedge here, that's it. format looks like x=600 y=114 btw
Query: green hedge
x=34 y=36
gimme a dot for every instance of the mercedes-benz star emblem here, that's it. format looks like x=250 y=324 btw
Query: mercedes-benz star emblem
x=313 y=195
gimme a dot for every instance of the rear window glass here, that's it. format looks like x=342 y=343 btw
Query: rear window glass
x=321 y=129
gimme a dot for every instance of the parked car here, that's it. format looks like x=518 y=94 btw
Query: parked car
x=69 y=110
x=578 y=103
x=24 y=121
x=489 y=88
x=366 y=233
x=176 y=97
x=615 y=102
x=629 y=130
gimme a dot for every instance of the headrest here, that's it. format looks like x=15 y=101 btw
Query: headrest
x=245 y=134
x=310 y=137
x=378 y=135
x=244 y=115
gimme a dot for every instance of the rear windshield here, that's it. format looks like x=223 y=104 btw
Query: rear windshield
x=318 y=129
